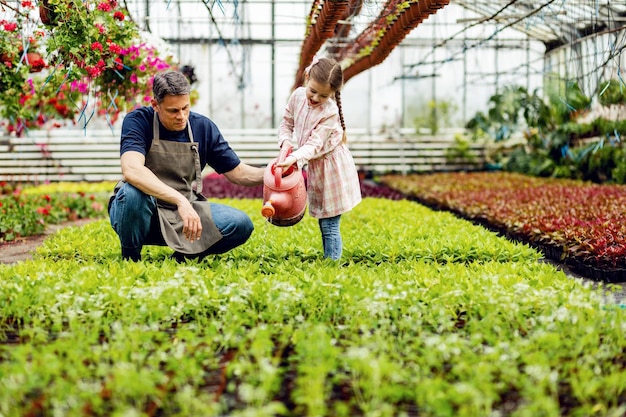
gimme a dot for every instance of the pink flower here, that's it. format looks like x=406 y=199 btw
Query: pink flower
x=133 y=78
x=100 y=27
x=80 y=86
x=147 y=98
x=104 y=6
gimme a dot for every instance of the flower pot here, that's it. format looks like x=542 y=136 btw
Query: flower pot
x=5 y=57
x=35 y=62
x=47 y=14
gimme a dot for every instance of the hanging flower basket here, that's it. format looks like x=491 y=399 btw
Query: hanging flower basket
x=47 y=14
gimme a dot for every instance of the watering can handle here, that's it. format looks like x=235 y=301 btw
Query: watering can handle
x=285 y=151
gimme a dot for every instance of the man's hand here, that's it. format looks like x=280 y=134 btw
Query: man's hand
x=192 y=225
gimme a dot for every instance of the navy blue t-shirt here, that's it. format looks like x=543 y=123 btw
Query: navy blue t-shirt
x=212 y=147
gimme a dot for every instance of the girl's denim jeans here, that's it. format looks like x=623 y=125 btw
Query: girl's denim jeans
x=134 y=218
x=331 y=237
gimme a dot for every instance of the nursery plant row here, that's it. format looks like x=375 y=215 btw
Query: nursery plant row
x=579 y=223
x=427 y=314
x=27 y=211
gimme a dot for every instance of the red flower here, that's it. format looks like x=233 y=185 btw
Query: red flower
x=44 y=210
x=96 y=46
x=94 y=71
x=62 y=109
x=114 y=48
x=119 y=16
x=10 y=26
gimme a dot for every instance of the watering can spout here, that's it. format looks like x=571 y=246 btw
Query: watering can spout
x=268 y=210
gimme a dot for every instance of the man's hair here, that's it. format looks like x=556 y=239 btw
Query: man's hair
x=170 y=83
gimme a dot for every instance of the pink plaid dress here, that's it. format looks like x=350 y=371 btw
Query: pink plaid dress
x=332 y=180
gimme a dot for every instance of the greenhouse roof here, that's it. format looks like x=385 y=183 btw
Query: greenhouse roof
x=554 y=22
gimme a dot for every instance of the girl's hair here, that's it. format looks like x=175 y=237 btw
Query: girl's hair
x=327 y=70
x=170 y=83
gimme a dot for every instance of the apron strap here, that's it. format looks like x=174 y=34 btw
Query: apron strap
x=194 y=147
x=155 y=130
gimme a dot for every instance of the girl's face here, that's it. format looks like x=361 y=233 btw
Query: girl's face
x=317 y=93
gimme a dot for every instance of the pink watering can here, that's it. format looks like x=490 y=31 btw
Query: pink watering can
x=284 y=193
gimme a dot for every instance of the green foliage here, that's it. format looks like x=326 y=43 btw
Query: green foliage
x=511 y=111
x=544 y=138
x=426 y=312
x=566 y=99
x=461 y=150
x=434 y=115
x=612 y=92
x=27 y=212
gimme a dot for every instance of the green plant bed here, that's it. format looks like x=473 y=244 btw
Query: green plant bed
x=426 y=315
x=575 y=222
x=27 y=210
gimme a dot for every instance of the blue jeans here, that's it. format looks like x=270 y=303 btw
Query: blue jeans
x=331 y=237
x=134 y=218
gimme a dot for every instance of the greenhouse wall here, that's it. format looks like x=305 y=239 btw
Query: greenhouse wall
x=246 y=63
x=590 y=61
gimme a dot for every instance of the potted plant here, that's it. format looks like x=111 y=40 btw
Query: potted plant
x=90 y=58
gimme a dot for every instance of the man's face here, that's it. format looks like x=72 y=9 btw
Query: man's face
x=173 y=111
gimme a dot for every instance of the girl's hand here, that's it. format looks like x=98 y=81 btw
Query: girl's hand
x=289 y=161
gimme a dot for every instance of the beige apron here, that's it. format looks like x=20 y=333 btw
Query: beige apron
x=177 y=164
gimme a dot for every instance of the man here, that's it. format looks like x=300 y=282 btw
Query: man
x=164 y=148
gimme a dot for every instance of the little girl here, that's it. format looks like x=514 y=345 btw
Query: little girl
x=316 y=121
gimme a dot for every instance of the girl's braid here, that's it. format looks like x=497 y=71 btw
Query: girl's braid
x=343 y=123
